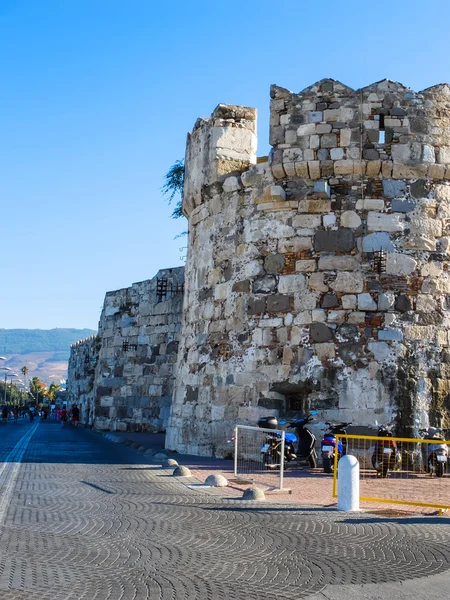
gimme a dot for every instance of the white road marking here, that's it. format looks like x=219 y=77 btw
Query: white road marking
x=9 y=471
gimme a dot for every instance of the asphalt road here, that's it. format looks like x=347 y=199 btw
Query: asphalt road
x=81 y=517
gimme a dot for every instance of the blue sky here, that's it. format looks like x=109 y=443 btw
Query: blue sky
x=98 y=95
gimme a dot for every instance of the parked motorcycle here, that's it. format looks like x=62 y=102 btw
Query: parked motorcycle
x=306 y=451
x=271 y=448
x=328 y=445
x=386 y=455
x=434 y=456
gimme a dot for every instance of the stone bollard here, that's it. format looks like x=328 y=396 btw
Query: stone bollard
x=348 y=483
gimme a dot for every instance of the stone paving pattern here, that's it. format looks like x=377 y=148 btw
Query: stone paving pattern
x=92 y=520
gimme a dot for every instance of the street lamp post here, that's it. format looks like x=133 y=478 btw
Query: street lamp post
x=6 y=375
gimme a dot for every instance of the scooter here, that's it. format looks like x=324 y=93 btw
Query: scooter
x=434 y=456
x=328 y=445
x=271 y=448
x=386 y=455
x=306 y=451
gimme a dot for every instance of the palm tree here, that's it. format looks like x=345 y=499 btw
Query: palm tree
x=24 y=370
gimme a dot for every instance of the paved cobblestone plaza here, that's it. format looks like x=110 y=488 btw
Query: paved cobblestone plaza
x=83 y=518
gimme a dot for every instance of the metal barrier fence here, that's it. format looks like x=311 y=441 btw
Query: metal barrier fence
x=398 y=470
x=259 y=456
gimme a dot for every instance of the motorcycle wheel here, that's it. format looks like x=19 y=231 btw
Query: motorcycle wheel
x=384 y=469
x=439 y=469
x=270 y=462
x=327 y=465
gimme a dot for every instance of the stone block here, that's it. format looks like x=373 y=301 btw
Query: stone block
x=370 y=204
x=322 y=189
x=409 y=171
x=393 y=189
x=274 y=263
x=314 y=142
x=403 y=205
x=306 y=129
x=278 y=303
x=344 y=167
x=350 y=219
x=329 y=140
x=386 y=301
x=400 y=264
x=265 y=284
x=377 y=241
x=432 y=269
x=307 y=221
x=403 y=303
x=336 y=317
x=373 y=168
x=329 y=220
x=419 y=333
x=323 y=128
x=425 y=303
x=337 y=153
x=330 y=301
x=305 y=266
x=356 y=318
x=291 y=283
x=295 y=244
x=231 y=184
x=316 y=116
x=384 y=222
x=380 y=350
x=349 y=301
x=342 y=240
x=337 y=263
x=316 y=282
x=256 y=306
x=314 y=205
x=301 y=169
x=366 y=302
x=271 y=322
x=277 y=193
x=436 y=171
x=390 y=335
x=350 y=283
x=345 y=137
x=241 y=286
x=325 y=351
x=320 y=333
x=314 y=169
x=318 y=315
x=444 y=155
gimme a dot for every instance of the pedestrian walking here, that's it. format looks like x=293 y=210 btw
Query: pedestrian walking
x=63 y=417
x=75 y=415
x=4 y=414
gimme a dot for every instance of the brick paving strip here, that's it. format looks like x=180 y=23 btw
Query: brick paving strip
x=92 y=520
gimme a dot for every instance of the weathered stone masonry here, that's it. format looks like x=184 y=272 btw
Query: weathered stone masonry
x=319 y=277
x=81 y=375
x=136 y=350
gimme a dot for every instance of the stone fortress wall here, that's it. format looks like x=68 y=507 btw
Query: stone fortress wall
x=81 y=375
x=318 y=278
x=135 y=355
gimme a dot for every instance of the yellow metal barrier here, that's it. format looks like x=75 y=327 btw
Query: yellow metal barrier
x=413 y=474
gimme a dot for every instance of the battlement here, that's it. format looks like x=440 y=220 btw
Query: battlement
x=385 y=129
x=216 y=147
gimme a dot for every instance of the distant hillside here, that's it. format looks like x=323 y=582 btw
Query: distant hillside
x=24 y=341
x=44 y=352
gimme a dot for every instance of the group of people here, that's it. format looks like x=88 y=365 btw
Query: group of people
x=15 y=412
x=73 y=415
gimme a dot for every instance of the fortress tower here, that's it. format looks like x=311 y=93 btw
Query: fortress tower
x=319 y=277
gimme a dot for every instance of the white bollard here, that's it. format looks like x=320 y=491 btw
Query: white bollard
x=348 y=483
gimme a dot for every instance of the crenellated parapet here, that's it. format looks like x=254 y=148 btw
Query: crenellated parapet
x=223 y=144
x=383 y=129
